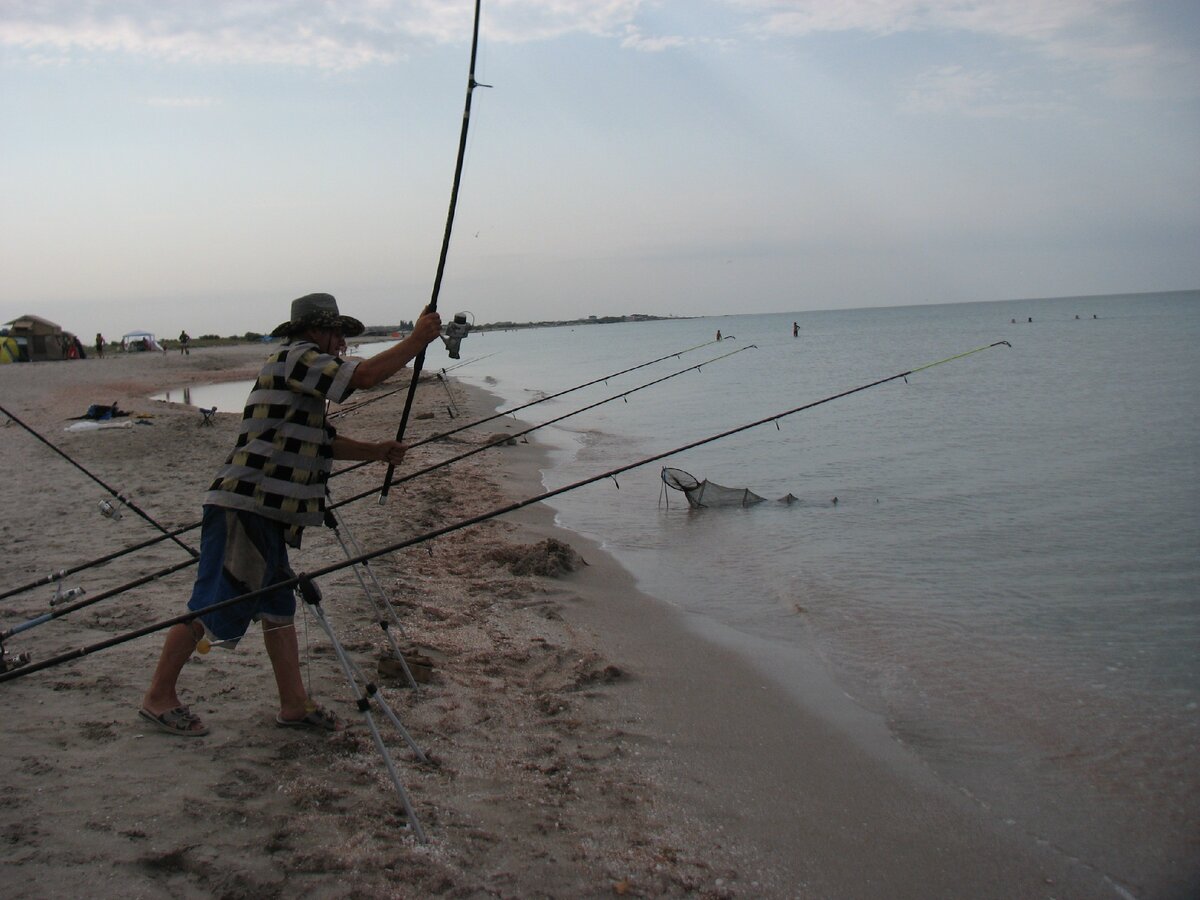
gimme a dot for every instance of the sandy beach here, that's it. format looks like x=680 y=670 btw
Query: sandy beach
x=584 y=740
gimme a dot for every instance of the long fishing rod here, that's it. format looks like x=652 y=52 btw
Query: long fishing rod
x=467 y=362
x=417 y=473
x=408 y=476
x=59 y=612
x=355 y=407
x=99 y=561
x=113 y=491
x=308 y=577
x=49 y=579
x=419 y=361
x=513 y=410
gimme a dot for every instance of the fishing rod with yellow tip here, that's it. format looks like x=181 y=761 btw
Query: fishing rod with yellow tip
x=306 y=580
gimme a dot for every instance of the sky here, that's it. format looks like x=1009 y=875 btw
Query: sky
x=196 y=165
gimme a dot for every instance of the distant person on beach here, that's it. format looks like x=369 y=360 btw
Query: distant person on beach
x=184 y=340
x=270 y=488
x=99 y=345
x=795 y=329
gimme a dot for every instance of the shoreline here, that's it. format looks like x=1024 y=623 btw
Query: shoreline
x=590 y=740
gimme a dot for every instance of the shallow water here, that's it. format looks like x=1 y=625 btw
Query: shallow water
x=1010 y=573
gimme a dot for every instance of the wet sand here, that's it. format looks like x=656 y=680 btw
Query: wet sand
x=585 y=740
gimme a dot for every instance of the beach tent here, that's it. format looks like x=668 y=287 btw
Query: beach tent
x=10 y=350
x=38 y=338
x=140 y=340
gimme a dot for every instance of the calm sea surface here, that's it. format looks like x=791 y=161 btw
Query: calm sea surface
x=1010 y=575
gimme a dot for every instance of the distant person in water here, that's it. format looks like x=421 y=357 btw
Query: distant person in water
x=795 y=329
x=718 y=334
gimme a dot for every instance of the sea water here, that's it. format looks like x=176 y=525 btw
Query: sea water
x=998 y=555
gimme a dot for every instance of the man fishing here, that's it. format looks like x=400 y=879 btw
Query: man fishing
x=270 y=488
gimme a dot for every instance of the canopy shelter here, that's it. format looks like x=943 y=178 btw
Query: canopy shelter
x=38 y=339
x=140 y=340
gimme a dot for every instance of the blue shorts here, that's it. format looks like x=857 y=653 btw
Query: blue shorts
x=214 y=584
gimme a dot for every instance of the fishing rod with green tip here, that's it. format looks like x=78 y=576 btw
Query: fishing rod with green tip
x=309 y=577
x=419 y=360
x=117 y=495
x=50 y=579
x=408 y=476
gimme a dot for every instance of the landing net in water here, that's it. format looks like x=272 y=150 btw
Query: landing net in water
x=706 y=494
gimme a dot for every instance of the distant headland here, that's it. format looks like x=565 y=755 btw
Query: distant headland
x=405 y=327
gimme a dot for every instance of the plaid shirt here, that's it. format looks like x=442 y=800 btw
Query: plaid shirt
x=281 y=461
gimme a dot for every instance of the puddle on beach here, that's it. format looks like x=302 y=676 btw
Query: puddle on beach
x=229 y=396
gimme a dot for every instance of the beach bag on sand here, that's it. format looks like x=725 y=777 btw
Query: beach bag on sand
x=100 y=413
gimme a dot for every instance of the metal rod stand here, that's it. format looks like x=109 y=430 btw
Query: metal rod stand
x=312 y=596
x=377 y=597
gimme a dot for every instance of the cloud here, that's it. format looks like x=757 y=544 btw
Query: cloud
x=335 y=35
x=978 y=94
x=1033 y=20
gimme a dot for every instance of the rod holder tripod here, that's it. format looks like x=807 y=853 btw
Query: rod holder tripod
x=375 y=592
x=311 y=595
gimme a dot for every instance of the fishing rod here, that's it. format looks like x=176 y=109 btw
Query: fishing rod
x=99 y=561
x=59 y=612
x=436 y=437
x=355 y=407
x=113 y=491
x=419 y=361
x=516 y=409
x=467 y=362
x=409 y=476
x=306 y=579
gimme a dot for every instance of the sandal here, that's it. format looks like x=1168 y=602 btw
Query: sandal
x=317 y=718
x=180 y=720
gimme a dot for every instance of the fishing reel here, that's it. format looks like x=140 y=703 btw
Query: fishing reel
x=454 y=331
x=110 y=510
x=8 y=661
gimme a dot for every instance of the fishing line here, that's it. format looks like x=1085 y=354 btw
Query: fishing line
x=49 y=579
x=307 y=579
x=117 y=495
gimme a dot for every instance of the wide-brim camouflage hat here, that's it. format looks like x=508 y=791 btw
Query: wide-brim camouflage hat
x=317 y=311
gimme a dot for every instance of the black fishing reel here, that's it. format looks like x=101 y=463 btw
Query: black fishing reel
x=454 y=331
